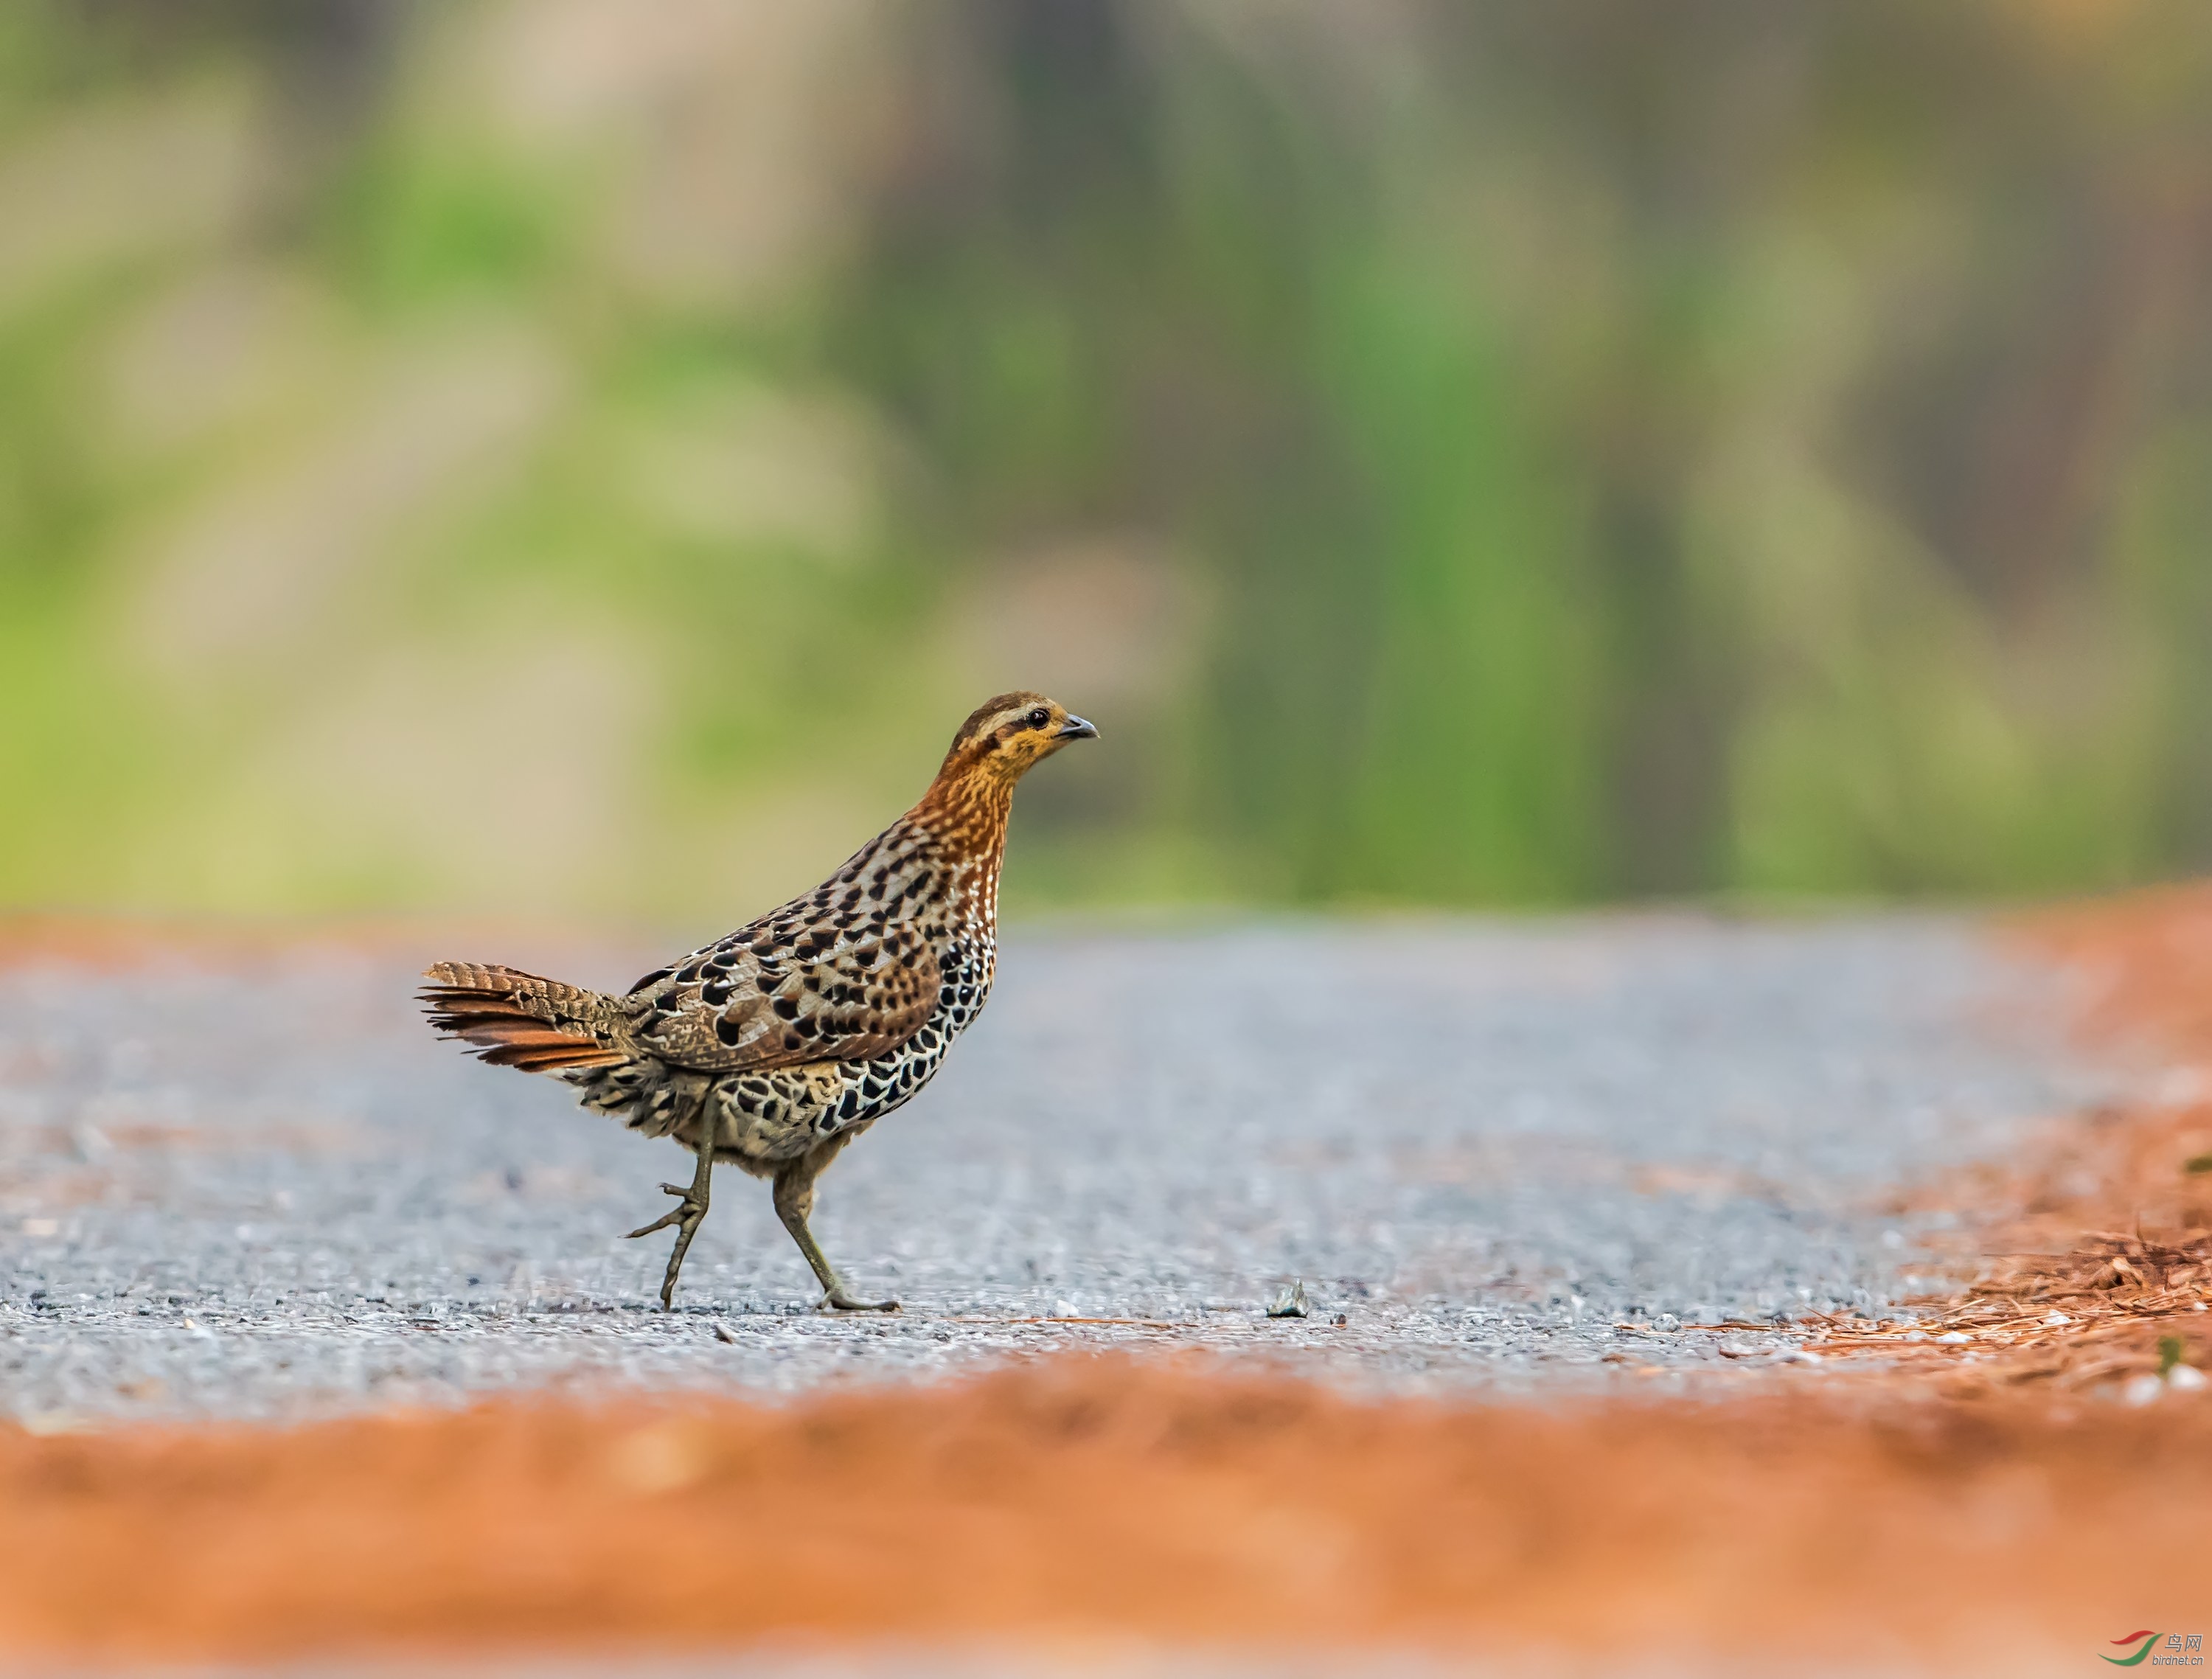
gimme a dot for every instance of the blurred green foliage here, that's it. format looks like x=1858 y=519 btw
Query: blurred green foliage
x=541 y=456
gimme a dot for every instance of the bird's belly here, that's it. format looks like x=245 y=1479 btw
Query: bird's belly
x=863 y=1091
x=765 y=1117
x=776 y=1116
x=872 y=1088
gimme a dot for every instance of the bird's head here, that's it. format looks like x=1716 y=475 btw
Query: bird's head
x=1006 y=737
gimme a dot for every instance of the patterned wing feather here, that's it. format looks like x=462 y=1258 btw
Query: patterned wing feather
x=837 y=976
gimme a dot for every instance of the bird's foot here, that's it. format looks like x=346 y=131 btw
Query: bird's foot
x=687 y=1212
x=838 y=1300
x=685 y=1216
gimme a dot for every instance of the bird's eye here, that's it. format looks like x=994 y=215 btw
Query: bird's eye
x=1039 y=718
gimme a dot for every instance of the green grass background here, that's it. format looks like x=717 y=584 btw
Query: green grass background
x=539 y=458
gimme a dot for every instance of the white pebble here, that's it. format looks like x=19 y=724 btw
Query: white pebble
x=2187 y=1377
x=2141 y=1391
x=1954 y=1339
x=2057 y=1320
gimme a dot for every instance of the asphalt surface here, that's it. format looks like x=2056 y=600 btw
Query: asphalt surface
x=1506 y=1155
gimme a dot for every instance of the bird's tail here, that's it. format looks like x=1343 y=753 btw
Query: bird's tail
x=517 y=1019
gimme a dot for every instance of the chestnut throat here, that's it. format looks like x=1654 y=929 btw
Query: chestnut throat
x=967 y=810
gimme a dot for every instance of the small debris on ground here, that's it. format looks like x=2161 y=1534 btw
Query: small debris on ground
x=2117 y=1289
x=1291 y=1302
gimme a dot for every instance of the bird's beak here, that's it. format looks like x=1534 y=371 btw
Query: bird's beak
x=1076 y=729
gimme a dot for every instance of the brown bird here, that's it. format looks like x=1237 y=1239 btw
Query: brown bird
x=776 y=1046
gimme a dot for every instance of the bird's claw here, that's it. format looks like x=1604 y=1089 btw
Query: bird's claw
x=687 y=1210
x=838 y=1300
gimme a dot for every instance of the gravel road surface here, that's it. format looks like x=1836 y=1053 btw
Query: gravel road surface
x=1499 y=1152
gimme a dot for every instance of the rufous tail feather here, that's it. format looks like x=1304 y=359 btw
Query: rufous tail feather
x=518 y=1019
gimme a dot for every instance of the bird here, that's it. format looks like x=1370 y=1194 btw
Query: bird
x=773 y=1048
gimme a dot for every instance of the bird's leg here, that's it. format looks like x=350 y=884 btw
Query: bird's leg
x=686 y=1214
x=794 y=1200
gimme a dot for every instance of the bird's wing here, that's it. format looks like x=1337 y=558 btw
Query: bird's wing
x=772 y=996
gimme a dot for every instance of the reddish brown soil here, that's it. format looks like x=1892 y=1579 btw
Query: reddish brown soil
x=1823 y=1516
x=1111 y=1500
x=2148 y=958
x=2097 y=1239
x=2092 y=1246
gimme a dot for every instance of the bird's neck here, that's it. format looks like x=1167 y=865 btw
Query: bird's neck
x=967 y=816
